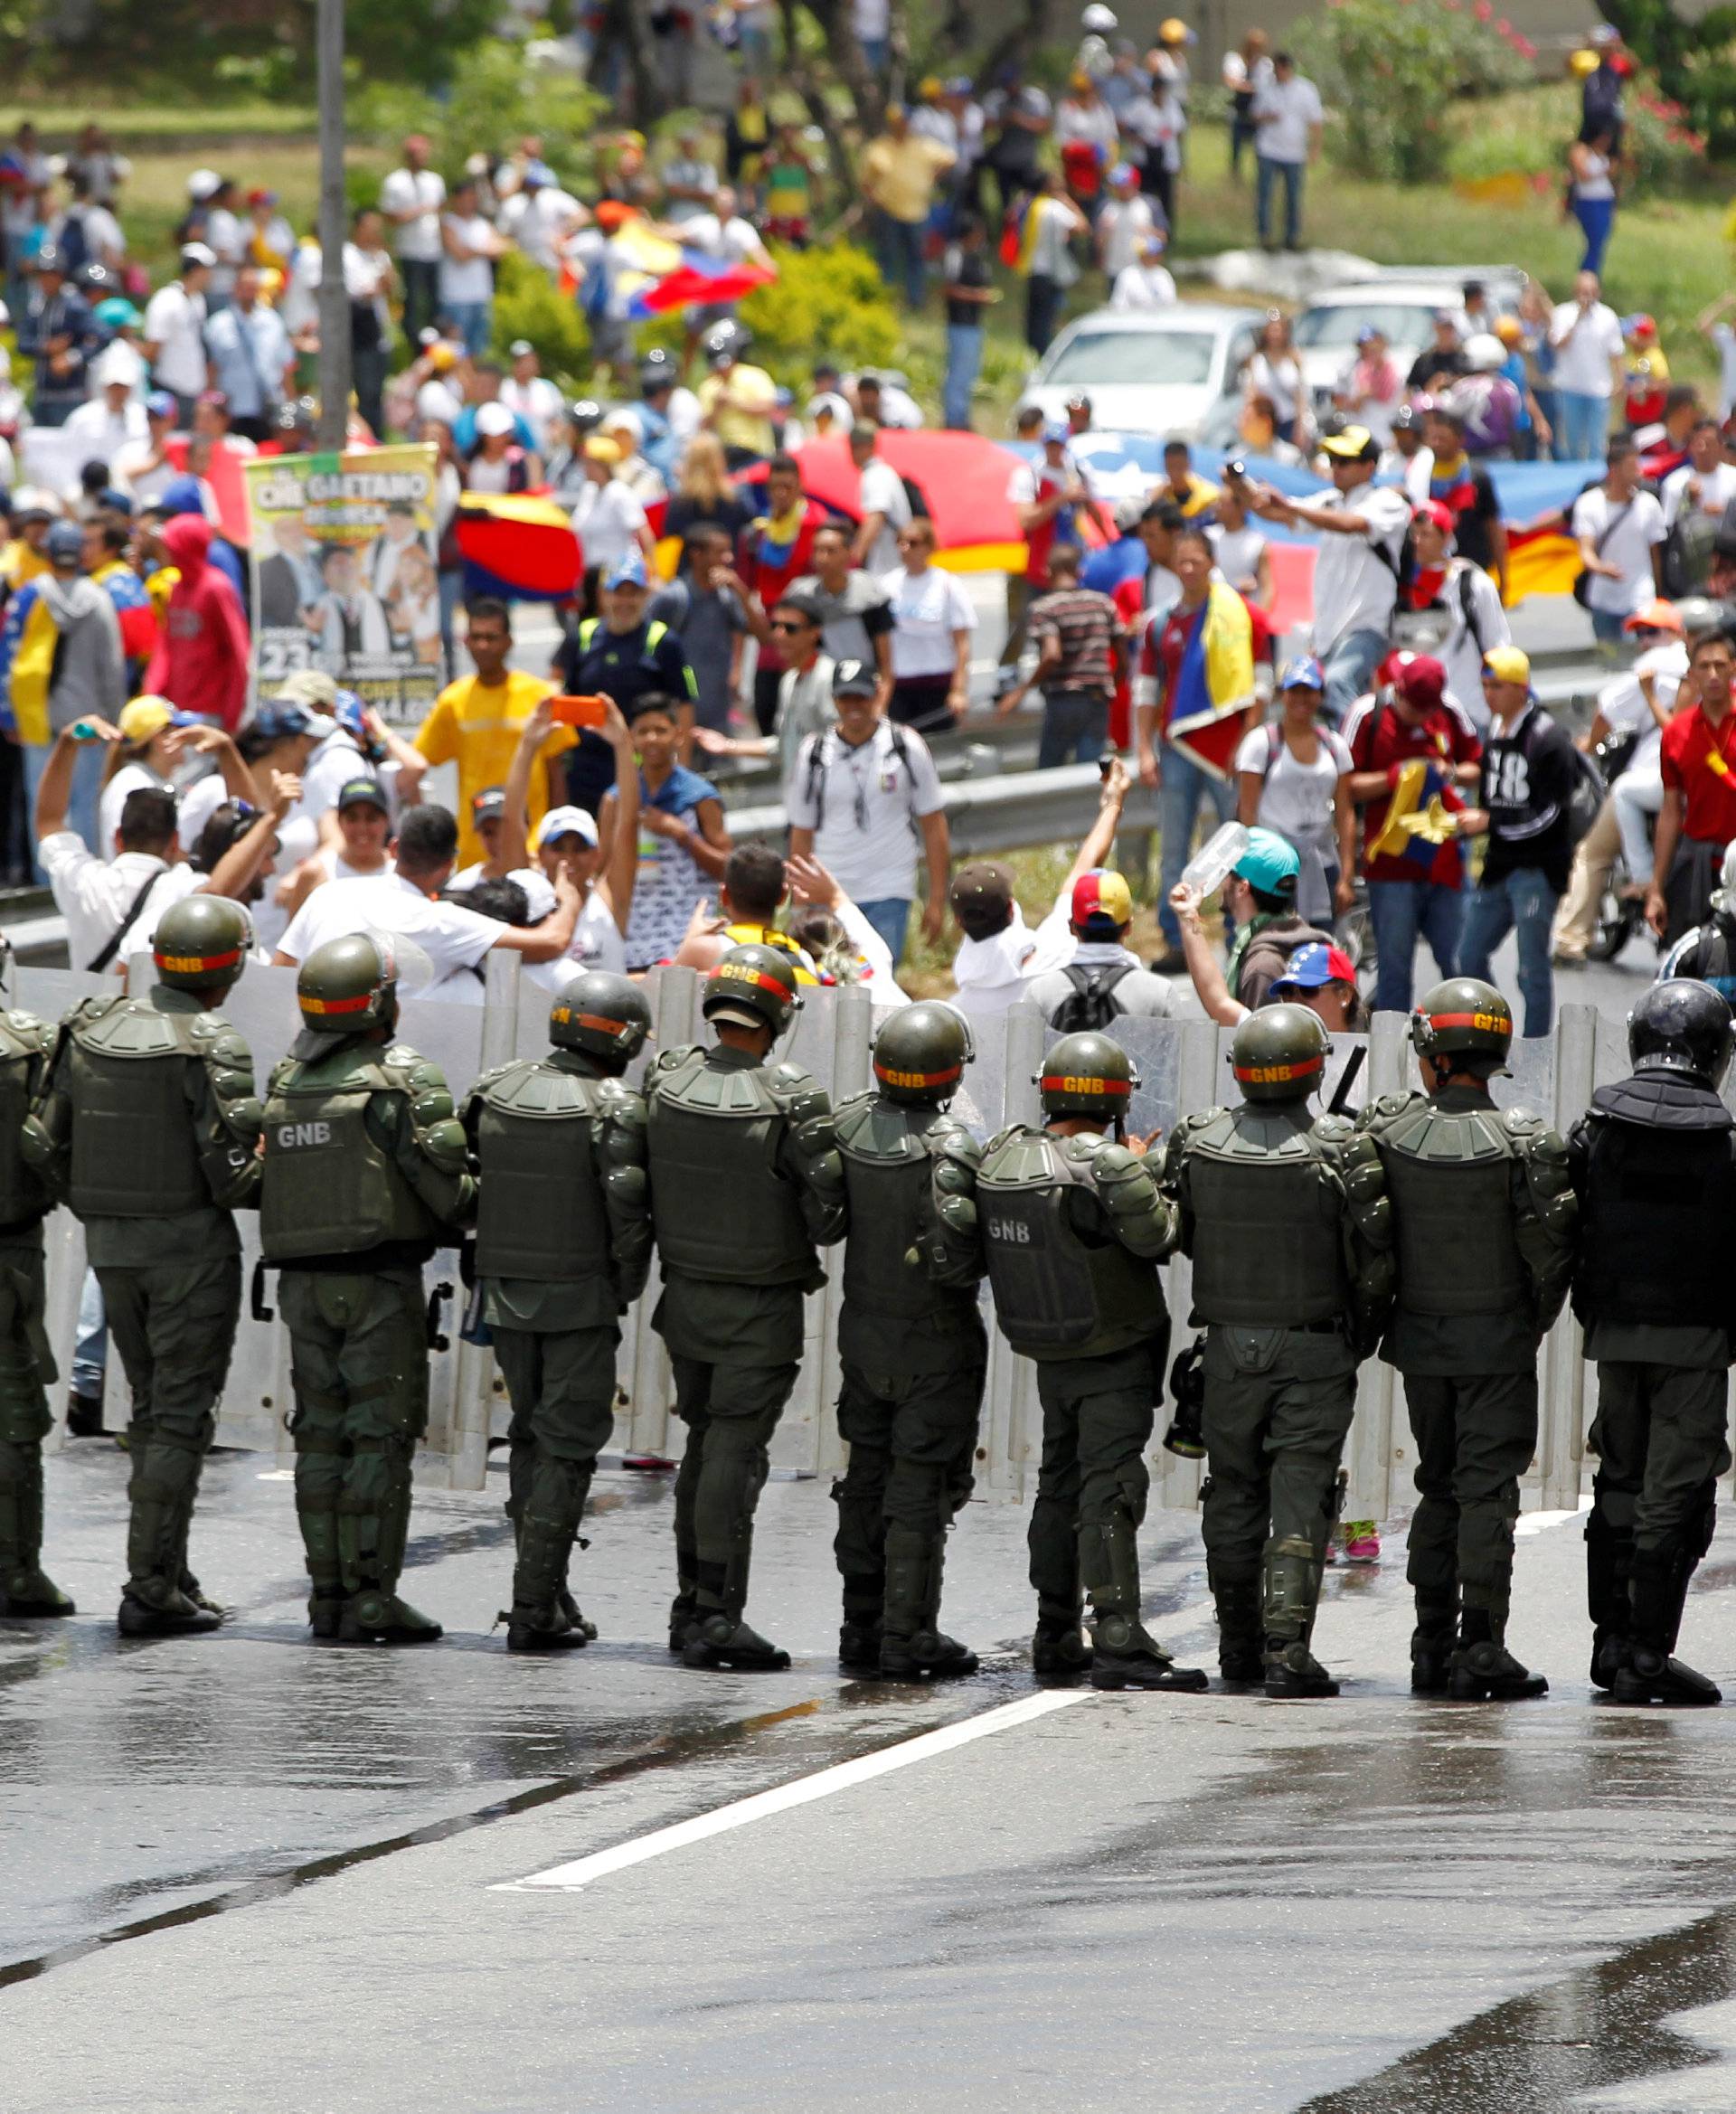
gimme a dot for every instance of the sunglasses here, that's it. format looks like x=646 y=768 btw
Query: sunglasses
x=788 y=624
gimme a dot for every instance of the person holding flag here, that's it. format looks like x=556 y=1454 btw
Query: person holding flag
x=1194 y=700
x=1414 y=751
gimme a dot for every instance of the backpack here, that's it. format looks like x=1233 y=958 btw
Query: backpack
x=1091 y=1004
x=817 y=770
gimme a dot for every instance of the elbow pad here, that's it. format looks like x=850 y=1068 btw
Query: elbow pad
x=444 y=1145
x=1138 y=1216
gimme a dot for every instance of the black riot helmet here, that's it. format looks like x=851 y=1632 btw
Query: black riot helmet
x=920 y=1053
x=1682 y=1024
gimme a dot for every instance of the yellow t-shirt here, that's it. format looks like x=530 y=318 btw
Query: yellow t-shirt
x=1200 y=495
x=747 y=421
x=899 y=175
x=478 y=726
x=19 y=563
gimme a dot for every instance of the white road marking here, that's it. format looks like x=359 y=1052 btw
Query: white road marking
x=843 y=1777
x=1539 y=1523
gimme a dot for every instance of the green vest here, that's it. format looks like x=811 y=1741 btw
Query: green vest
x=721 y=1207
x=1449 y=1174
x=329 y=1187
x=1268 y=1220
x=888 y=1152
x=24 y=1044
x=135 y=1151
x=1058 y=1294
x=541 y=1213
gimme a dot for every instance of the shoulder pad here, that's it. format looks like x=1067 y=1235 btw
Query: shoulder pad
x=785 y=1078
x=1203 y=1119
x=30 y=1030
x=870 y=1129
x=1521 y=1123
x=952 y=1141
x=229 y=1050
x=424 y=1073
x=1111 y=1159
x=1334 y=1130
x=400 y=1057
x=1392 y=1105
x=673 y=1059
x=620 y=1102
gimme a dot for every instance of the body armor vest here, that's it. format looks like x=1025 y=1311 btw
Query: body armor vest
x=1268 y=1220
x=1449 y=1174
x=888 y=1168
x=24 y=1199
x=135 y=1151
x=329 y=1187
x=541 y=1215
x=721 y=1208
x=1658 y=1206
x=1058 y=1294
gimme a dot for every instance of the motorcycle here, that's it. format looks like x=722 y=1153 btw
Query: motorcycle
x=1621 y=914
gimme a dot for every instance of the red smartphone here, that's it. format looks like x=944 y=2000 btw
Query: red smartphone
x=579 y=711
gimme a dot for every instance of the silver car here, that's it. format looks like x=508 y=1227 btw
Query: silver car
x=1162 y=371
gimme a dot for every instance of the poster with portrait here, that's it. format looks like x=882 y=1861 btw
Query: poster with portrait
x=344 y=574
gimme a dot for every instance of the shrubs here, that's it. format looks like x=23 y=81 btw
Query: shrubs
x=827 y=300
x=529 y=305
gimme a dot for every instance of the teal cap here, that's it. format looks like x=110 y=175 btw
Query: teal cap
x=1270 y=863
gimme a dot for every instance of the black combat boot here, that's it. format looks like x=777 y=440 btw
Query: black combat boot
x=1059 y=1651
x=722 y=1637
x=1609 y=1566
x=84 y=1416
x=1124 y=1653
x=1292 y=1588
x=1483 y=1669
x=1241 y=1660
x=912 y=1645
x=25 y=1588
x=1293 y=1674
x=859 y=1646
x=1432 y=1644
x=1648 y=1673
x=684 y=1610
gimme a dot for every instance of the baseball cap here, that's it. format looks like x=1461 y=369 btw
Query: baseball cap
x=202 y=183
x=357 y=792
x=1349 y=444
x=1440 y=514
x=308 y=686
x=519 y=347
x=1313 y=966
x=599 y=448
x=64 y=542
x=561 y=822
x=1507 y=663
x=30 y=502
x=1419 y=678
x=1641 y=327
x=630 y=571
x=1056 y=429
x=197 y=253
x=145 y=718
x=853 y=679
x=1269 y=863
x=537 y=173
x=487 y=805
x=1102 y=903
x=258 y=197
x=495 y=418
x=1303 y=673
x=1656 y=616
x=1367 y=333
x=981 y=895
x=160 y=404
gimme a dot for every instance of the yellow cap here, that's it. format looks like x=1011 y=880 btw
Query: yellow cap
x=144 y=719
x=1582 y=62
x=1173 y=32
x=600 y=448
x=1507 y=663
x=1349 y=444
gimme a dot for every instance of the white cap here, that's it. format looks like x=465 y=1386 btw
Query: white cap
x=197 y=253
x=1483 y=352
x=202 y=183
x=119 y=366
x=624 y=420
x=564 y=822
x=495 y=418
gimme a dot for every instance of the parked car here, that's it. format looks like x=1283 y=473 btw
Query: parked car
x=1401 y=306
x=1163 y=372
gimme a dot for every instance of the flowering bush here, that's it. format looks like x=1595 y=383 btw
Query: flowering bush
x=1664 y=150
x=1391 y=75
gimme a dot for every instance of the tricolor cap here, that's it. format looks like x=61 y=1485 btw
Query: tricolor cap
x=1315 y=965
x=487 y=805
x=1303 y=673
x=1507 y=663
x=1102 y=904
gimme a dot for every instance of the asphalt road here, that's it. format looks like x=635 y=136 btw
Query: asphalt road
x=249 y=1872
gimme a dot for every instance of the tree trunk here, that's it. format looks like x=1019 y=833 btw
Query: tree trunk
x=1028 y=29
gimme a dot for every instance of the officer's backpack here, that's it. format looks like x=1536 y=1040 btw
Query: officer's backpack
x=1091 y=1004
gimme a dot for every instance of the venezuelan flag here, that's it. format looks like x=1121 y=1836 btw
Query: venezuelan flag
x=657 y=274
x=518 y=546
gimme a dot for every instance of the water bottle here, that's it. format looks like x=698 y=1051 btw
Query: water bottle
x=1205 y=871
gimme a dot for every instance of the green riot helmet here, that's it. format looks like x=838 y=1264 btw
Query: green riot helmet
x=1464 y=1018
x=1086 y=1075
x=349 y=985
x=604 y=1016
x=920 y=1053
x=202 y=943
x=1280 y=1053
x=755 y=987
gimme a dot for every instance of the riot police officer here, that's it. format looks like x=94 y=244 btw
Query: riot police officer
x=365 y=1175
x=149 y=1126
x=26 y=1363
x=1286 y=1217
x=745 y=1182
x=1483 y=1228
x=1654 y=1165
x=1074 y=1228
x=913 y=1346
x=564 y=1246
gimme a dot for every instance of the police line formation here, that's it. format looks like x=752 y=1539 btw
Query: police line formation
x=1436 y=1227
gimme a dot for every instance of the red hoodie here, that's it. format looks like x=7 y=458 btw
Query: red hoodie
x=200 y=658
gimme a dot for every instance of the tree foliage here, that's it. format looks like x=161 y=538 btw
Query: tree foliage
x=1694 y=58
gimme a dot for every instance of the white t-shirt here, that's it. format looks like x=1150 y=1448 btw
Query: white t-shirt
x=1296 y=798
x=1717 y=489
x=223 y=235
x=1282 y=380
x=1623 y=534
x=174 y=322
x=1239 y=553
x=1354 y=588
x=465 y=282
x=883 y=493
x=1623 y=703
x=1121 y=226
x=1294 y=106
x=1462 y=650
x=864 y=816
x=537 y=401
x=452 y=938
x=607 y=519
x=424 y=192
x=597 y=943
x=1724 y=339
x=93 y=894
x=328 y=771
x=1582 y=360
x=927 y=609
x=871 y=21
x=1143 y=286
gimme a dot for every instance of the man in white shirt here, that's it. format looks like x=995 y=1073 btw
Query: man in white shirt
x=529 y=392
x=1693 y=499
x=535 y=215
x=884 y=401
x=405 y=903
x=174 y=331
x=1586 y=336
x=1125 y=222
x=1146 y=283
x=1356 y=570
x=858 y=800
x=250 y=358
x=689 y=182
x=411 y=199
x=885 y=506
x=226 y=241
x=1287 y=118
x=1620 y=529
x=113 y=418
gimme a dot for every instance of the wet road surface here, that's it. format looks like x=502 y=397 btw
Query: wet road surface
x=249 y=1872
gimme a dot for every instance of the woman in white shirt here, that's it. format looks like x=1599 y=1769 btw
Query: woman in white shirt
x=1274 y=370
x=1243 y=554
x=1293 y=777
x=607 y=518
x=1145 y=283
x=1591 y=194
x=932 y=622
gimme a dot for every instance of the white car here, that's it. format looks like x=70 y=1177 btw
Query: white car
x=1402 y=306
x=1161 y=372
